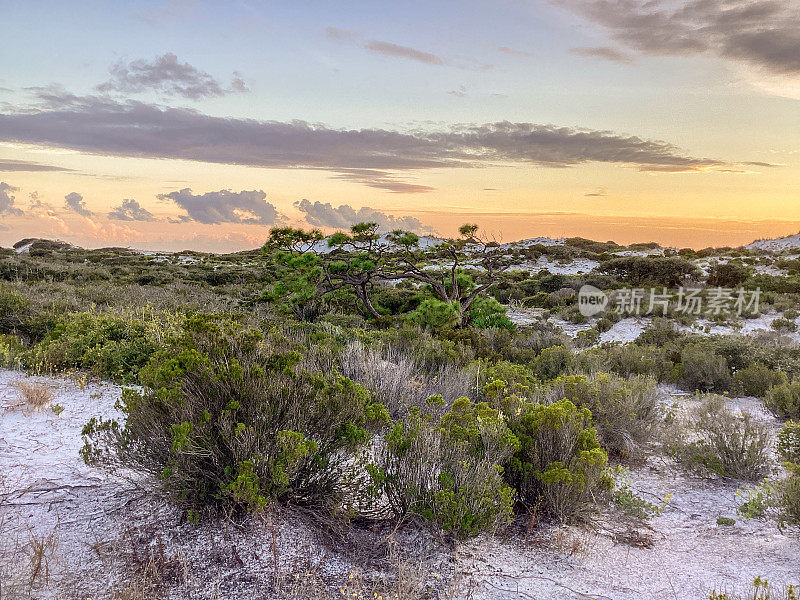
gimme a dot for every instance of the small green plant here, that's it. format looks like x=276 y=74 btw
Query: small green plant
x=726 y=521
x=626 y=500
x=57 y=409
x=756 y=500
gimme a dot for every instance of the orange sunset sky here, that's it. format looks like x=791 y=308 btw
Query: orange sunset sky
x=199 y=125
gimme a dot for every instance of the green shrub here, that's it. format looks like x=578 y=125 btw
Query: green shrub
x=559 y=467
x=435 y=314
x=701 y=369
x=449 y=472
x=789 y=442
x=603 y=324
x=14 y=309
x=757 y=378
x=725 y=444
x=781 y=324
x=658 y=333
x=756 y=500
x=632 y=359
x=784 y=400
x=110 y=346
x=487 y=312
x=552 y=362
x=229 y=419
x=625 y=412
x=726 y=521
x=788 y=500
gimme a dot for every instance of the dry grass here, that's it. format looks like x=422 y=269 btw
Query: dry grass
x=36 y=395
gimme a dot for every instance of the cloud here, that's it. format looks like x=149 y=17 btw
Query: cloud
x=339 y=34
x=382 y=180
x=7 y=200
x=74 y=201
x=604 y=52
x=350 y=36
x=760 y=33
x=515 y=52
x=23 y=165
x=167 y=76
x=397 y=51
x=461 y=92
x=130 y=210
x=599 y=193
x=344 y=216
x=105 y=126
x=225 y=206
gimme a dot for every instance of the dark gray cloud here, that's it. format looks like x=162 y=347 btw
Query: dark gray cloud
x=23 y=165
x=130 y=210
x=225 y=206
x=762 y=33
x=104 y=126
x=397 y=51
x=344 y=216
x=604 y=52
x=167 y=76
x=7 y=200
x=74 y=202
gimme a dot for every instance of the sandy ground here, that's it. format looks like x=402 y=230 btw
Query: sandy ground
x=98 y=530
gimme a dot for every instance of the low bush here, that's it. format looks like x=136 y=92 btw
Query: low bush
x=789 y=443
x=624 y=411
x=701 y=369
x=448 y=471
x=228 y=419
x=724 y=443
x=784 y=400
x=552 y=362
x=109 y=346
x=559 y=468
x=13 y=309
x=756 y=379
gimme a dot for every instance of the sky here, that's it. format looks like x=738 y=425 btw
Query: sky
x=184 y=124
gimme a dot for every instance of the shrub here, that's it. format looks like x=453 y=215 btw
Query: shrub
x=781 y=324
x=788 y=500
x=726 y=444
x=448 y=472
x=35 y=394
x=756 y=500
x=625 y=412
x=701 y=369
x=728 y=275
x=399 y=381
x=757 y=378
x=784 y=400
x=435 y=314
x=560 y=465
x=110 y=346
x=488 y=312
x=659 y=332
x=552 y=362
x=228 y=419
x=13 y=309
x=789 y=442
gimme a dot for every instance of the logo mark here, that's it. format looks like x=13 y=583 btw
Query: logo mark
x=591 y=301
